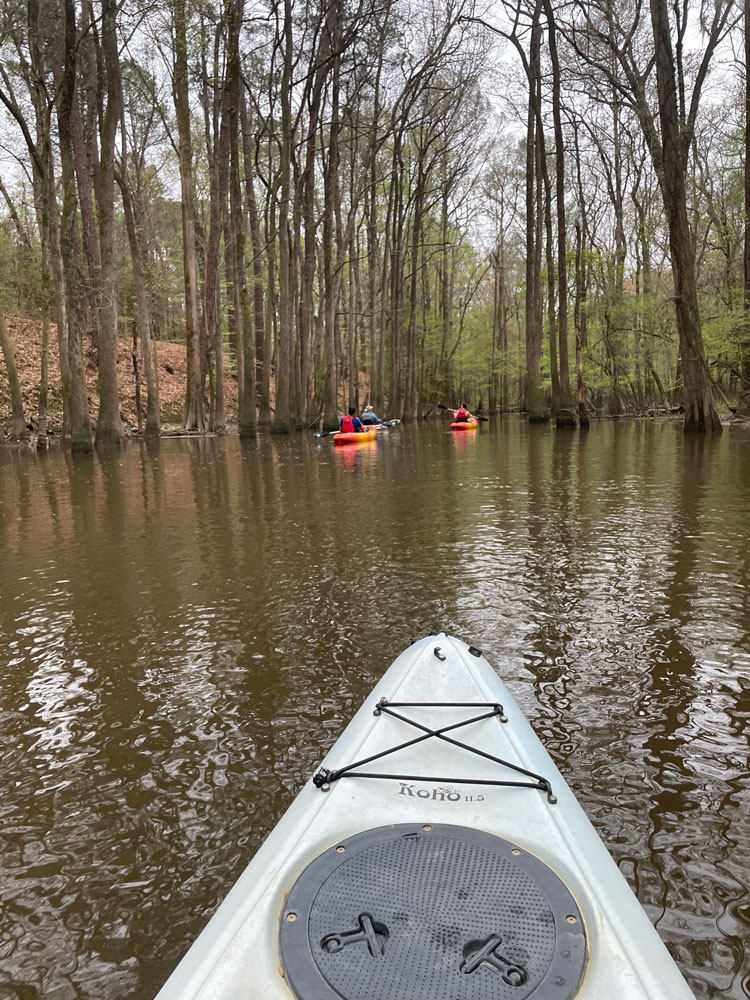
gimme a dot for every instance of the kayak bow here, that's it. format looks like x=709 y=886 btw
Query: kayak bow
x=436 y=853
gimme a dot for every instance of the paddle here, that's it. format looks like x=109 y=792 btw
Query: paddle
x=442 y=406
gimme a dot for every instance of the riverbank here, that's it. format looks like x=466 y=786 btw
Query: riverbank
x=26 y=337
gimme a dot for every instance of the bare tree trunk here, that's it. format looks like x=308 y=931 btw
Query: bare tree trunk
x=109 y=428
x=42 y=213
x=251 y=207
x=579 y=321
x=57 y=296
x=43 y=175
x=372 y=224
x=330 y=212
x=502 y=301
x=282 y=424
x=142 y=307
x=194 y=417
x=549 y=260
x=351 y=330
x=18 y=431
x=270 y=338
x=534 y=401
x=80 y=424
x=219 y=173
x=700 y=412
x=379 y=400
x=743 y=406
x=410 y=401
x=83 y=132
x=446 y=310
x=564 y=414
x=492 y=387
x=244 y=318
x=307 y=195
x=397 y=275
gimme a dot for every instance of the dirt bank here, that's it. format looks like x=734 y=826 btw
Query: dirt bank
x=26 y=336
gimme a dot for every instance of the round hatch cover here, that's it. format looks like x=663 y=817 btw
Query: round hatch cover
x=444 y=912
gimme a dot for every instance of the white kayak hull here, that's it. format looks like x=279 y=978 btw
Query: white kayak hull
x=238 y=955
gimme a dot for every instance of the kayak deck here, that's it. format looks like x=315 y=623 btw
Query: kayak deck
x=430 y=785
x=355 y=437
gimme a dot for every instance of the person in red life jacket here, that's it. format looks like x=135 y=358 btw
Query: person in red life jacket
x=462 y=415
x=350 y=423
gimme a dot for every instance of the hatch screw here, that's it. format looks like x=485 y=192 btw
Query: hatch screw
x=427 y=827
x=571 y=919
x=291 y=917
x=515 y=851
x=340 y=850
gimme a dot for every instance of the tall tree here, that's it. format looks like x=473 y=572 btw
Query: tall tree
x=80 y=423
x=564 y=413
x=534 y=400
x=243 y=312
x=194 y=414
x=108 y=426
x=743 y=408
x=606 y=32
x=18 y=429
x=282 y=419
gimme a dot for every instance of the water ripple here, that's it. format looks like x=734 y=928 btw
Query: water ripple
x=186 y=632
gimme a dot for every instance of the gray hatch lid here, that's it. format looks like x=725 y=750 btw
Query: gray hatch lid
x=431 y=911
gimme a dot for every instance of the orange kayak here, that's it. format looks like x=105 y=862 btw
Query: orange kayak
x=464 y=425
x=355 y=437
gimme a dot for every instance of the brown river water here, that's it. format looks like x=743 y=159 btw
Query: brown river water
x=185 y=629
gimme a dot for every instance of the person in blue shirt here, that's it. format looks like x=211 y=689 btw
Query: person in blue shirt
x=370 y=417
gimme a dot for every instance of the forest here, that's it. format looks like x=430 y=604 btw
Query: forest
x=531 y=206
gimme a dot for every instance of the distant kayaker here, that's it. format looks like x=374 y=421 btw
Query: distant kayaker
x=370 y=417
x=462 y=415
x=351 y=424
